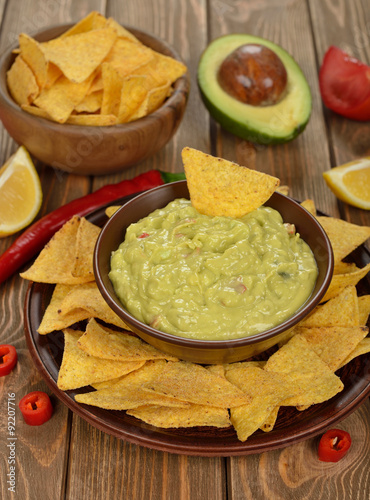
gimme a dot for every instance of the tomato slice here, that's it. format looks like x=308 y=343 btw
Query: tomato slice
x=8 y=359
x=36 y=408
x=345 y=85
x=333 y=445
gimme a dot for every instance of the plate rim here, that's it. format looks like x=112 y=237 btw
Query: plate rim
x=143 y=434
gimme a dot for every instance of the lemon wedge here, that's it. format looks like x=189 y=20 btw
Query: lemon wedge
x=351 y=182
x=20 y=193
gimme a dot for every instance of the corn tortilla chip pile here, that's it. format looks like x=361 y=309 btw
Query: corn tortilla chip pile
x=97 y=74
x=125 y=373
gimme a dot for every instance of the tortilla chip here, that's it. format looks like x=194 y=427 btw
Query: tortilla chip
x=309 y=205
x=34 y=110
x=121 y=31
x=92 y=120
x=87 y=234
x=363 y=347
x=344 y=236
x=133 y=94
x=267 y=390
x=93 y=20
x=333 y=343
x=163 y=69
x=78 y=56
x=88 y=297
x=193 y=383
x=270 y=421
x=283 y=190
x=33 y=55
x=345 y=267
x=127 y=392
x=109 y=211
x=195 y=415
x=61 y=98
x=106 y=343
x=78 y=369
x=340 y=281
x=56 y=260
x=364 y=308
x=153 y=100
x=308 y=375
x=91 y=103
x=341 y=310
x=21 y=82
x=52 y=320
x=221 y=188
x=112 y=89
x=127 y=56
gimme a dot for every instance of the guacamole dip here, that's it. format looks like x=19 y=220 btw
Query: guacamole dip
x=212 y=278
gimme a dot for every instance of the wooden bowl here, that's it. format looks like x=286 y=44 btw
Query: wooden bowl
x=209 y=351
x=93 y=150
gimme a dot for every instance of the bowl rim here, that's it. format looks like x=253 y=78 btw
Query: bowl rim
x=289 y=323
x=181 y=85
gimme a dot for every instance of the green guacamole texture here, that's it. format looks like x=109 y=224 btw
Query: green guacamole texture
x=212 y=278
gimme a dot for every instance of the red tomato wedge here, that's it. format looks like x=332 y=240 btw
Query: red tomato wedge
x=8 y=359
x=333 y=445
x=36 y=408
x=345 y=85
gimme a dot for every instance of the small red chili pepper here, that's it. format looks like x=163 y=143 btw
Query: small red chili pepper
x=33 y=239
x=8 y=359
x=36 y=408
x=333 y=445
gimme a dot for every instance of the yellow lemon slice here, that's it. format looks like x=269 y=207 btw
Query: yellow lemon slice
x=20 y=193
x=351 y=182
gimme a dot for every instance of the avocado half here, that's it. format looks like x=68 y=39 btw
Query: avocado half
x=274 y=124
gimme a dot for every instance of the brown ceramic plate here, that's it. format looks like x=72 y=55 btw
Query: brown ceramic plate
x=291 y=427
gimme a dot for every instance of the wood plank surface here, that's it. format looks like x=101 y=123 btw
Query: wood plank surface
x=69 y=459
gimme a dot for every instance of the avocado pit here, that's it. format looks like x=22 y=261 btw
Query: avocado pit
x=253 y=74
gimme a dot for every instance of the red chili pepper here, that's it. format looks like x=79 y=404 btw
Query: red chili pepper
x=33 y=239
x=8 y=359
x=333 y=445
x=36 y=408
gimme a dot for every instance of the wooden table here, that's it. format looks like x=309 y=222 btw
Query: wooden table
x=72 y=459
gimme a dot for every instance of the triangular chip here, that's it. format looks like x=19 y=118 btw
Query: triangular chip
x=221 y=188
x=341 y=310
x=363 y=347
x=127 y=392
x=307 y=373
x=33 y=55
x=87 y=234
x=195 y=415
x=193 y=383
x=344 y=236
x=106 y=343
x=77 y=56
x=364 y=308
x=56 y=260
x=92 y=21
x=78 y=369
x=61 y=98
x=310 y=206
x=88 y=297
x=267 y=389
x=333 y=343
x=340 y=281
x=21 y=82
x=52 y=320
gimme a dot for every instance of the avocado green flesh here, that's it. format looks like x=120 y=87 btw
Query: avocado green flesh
x=273 y=124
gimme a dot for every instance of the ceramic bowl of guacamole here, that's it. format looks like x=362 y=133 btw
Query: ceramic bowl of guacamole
x=192 y=287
